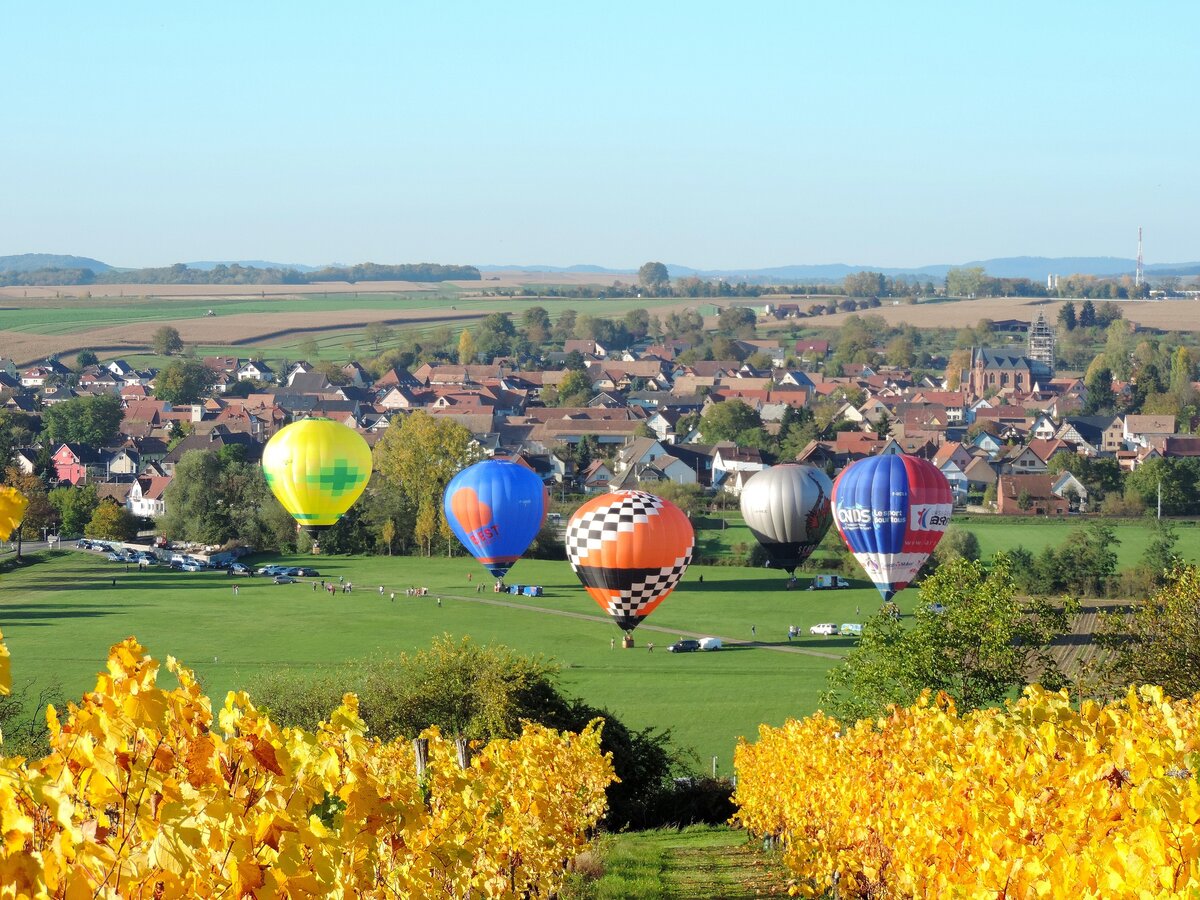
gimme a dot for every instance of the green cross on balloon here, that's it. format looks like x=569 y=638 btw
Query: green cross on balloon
x=339 y=477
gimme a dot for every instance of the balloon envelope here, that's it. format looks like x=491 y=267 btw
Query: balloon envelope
x=317 y=468
x=495 y=508
x=891 y=511
x=12 y=510
x=788 y=509
x=629 y=549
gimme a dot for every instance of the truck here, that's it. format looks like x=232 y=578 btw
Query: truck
x=828 y=583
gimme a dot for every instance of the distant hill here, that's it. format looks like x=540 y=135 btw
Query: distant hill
x=585 y=269
x=31 y=262
x=1032 y=267
x=209 y=265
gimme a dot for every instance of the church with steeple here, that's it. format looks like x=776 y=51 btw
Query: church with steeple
x=1006 y=371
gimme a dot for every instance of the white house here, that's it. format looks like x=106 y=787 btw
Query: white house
x=728 y=460
x=147 y=496
x=255 y=370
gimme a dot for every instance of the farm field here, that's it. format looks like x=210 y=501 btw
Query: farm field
x=60 y=616
x=1168 y=315
x=270 y=327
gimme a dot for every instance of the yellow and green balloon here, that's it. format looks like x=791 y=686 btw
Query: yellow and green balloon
x=317 y=468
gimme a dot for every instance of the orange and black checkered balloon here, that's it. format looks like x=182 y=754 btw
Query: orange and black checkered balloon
x=629 y=549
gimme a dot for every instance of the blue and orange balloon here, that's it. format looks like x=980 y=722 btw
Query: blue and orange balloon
x=495 y=508
x=891 y=511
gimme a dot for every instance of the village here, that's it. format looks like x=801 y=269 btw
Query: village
x=994 y=435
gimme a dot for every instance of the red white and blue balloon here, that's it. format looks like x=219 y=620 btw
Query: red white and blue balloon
x=891 y=511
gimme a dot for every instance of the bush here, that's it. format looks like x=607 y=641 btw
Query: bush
x=483 y=692
x=957 y=543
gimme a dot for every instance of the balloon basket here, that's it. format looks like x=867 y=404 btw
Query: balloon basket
x=627 y=641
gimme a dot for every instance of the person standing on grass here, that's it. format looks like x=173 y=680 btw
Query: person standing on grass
x=753 y=631
x=612 y=643
x=393 y=596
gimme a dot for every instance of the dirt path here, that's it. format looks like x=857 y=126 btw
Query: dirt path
x=604 y=620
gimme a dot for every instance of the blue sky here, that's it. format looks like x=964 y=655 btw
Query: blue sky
x=704 y=134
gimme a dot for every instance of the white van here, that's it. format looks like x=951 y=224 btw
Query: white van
x=854 y=628
x=827 y=628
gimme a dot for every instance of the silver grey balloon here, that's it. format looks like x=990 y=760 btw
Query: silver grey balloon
x=788 y=509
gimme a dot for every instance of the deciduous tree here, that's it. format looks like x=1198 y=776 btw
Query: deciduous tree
x=466 y=348
x=728 y=421
x=111 y=522
x=1159 y=643
x=92 y=421
x=166 y=340
x=184 y=381
x=971 y=637
x=417 y=456
x=654 y=277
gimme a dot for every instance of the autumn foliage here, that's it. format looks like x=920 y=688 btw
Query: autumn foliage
x=1038 y=799
x=145 y=794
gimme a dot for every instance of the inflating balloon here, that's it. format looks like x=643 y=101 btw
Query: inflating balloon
x=629 y=549
x=788 y=509
x=495 y=508
x=12 y=510
x=891 y=511
x=317 y=468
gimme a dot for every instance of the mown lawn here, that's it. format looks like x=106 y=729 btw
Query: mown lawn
x=60 y=616
x=702 y=861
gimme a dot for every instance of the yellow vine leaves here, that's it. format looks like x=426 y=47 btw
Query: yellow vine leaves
x=1037 y=799
x=147 y=794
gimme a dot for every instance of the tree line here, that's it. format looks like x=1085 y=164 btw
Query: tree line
x=238 y=274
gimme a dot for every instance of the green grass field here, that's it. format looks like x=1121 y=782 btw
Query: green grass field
x=1006 y=533
x=60 y=616
x=994 y=533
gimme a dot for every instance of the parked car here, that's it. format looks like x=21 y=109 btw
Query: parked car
x=854 y=628
x=239 y=569
x=828 y=583
x=826 y=628
x=686 y=646
x=284 y=579
x=710 y=644
x=307 y=573
x=191 y=567
x=83 y=544
x=270 y=570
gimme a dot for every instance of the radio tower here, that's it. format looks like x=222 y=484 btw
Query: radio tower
x=1139 y=274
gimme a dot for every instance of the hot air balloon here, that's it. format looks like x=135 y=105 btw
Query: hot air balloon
x=629 y=549
x=12 y=510
x=788 y=509
x=495 y=508
x=317 y=468
x=891 y=511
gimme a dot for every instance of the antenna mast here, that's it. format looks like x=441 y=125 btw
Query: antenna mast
x=1139 y=274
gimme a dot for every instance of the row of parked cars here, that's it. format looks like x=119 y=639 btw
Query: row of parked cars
x=690 y=646
x=853 y=629
x=287 y=574
x=181 y=562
